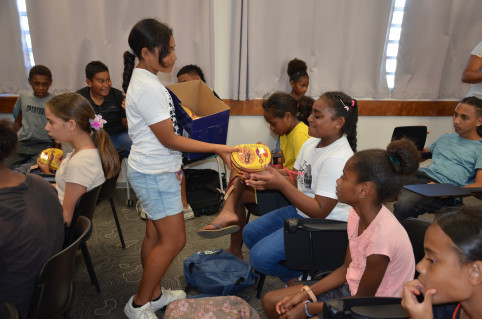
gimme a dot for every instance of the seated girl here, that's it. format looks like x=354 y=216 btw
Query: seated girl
x=319 y=163
x=451 y=272
x=280 y=111
x=71 y=119
x=379 y=256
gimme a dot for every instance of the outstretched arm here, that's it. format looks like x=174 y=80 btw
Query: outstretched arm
x=165 y=134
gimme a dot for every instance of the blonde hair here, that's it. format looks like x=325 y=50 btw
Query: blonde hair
x=73 y=106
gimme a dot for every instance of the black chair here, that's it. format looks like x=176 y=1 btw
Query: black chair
x=8 y=311
x=85 y=207
x=417 y=134
x=364 y=308
x=107 y=192
x=308 y=242
x=416 y=228
x=54 y=284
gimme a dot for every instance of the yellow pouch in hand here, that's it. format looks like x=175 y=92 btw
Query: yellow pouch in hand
x=251 y=158
x=45 y=155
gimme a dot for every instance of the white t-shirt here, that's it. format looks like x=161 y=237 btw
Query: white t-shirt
x=84 y=168
x=476 y=89
x=322 y=167
x=148 y=102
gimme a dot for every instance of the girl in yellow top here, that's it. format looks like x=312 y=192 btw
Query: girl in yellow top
x=280 y=111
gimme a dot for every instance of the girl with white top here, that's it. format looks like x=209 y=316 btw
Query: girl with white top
x=155 y=159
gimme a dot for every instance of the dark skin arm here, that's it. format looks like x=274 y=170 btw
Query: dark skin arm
x=376 y=265
x=318 y=207
x=17 y=124
x=472 y=72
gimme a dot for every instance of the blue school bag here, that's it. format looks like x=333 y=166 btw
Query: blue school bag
x=218 y=272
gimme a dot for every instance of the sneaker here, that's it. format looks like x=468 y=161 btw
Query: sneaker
x=167 y=297
x=188 y=213
x=144 y=312
x=140 y=210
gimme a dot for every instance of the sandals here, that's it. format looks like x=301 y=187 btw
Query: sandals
x=220 y=231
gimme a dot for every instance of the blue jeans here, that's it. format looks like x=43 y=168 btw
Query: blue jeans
x=410 y=204
x=265 y=239
x=122 y=139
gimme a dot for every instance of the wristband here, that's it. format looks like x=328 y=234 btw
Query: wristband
x=306 y=309
x=310 y=293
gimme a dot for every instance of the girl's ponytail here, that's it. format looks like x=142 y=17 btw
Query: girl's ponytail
x=386 y=169
x=108 y=153
x=129 y=59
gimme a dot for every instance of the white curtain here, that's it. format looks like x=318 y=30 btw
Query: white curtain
x=68 y=34
x=436 y=41
x=13 y=75
x=342 y=42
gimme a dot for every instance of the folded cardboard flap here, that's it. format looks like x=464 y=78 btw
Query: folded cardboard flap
x=212 y=127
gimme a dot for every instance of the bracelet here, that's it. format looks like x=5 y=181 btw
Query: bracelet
x=310 y=293
x=306 y=309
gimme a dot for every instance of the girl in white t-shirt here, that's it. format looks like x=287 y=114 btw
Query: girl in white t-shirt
x=71 y=119
x=155 y=159
x=332 y=127
x=379 y=257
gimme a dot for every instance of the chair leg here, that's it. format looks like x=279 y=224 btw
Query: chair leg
x=117 y=222
x=259 y=288
x=90 y=267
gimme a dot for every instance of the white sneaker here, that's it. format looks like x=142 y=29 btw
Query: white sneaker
x=167 y=297
x=140 y=210
x=188 y=213
x=144 y=312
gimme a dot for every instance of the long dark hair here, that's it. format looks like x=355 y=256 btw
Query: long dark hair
x=150 y=34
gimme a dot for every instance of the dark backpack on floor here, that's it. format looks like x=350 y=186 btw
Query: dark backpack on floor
x=203 y=191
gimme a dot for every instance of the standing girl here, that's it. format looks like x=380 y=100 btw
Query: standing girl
x=280 y=111
x=379 y=256
x=299 y=79
x=319 y=163
x=154 y=159
x=71 y=119
x=451 y=271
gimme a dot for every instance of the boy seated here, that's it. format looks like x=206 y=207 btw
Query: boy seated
x=31 y=120
x=457 y=160
x=107 y=101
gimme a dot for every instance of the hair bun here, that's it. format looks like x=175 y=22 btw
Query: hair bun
x=403 y=156
x=296 y=65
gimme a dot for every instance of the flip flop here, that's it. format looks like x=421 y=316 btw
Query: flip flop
x=220 y=231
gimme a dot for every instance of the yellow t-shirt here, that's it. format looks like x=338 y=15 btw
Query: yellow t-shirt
x=291 y=143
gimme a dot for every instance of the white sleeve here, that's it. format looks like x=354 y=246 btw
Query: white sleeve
x=153 y=104
x=477 y=50
x=331 y=170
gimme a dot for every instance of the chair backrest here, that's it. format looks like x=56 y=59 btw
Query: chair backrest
x=108 y=188
x=416 y=228
x=85 y=206
x=417 y=134
x=315 y=244
x=53 y=287
x=8 y=311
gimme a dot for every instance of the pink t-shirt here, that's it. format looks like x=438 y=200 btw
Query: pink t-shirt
x=384 y=236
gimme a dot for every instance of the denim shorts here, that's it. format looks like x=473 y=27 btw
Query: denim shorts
x=159 y=194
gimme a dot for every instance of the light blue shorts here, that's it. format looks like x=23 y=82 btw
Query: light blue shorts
x=159 y=194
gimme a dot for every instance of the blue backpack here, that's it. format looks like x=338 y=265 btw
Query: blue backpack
x=218 y=272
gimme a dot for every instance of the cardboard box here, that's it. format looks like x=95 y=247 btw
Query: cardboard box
x=212 y=127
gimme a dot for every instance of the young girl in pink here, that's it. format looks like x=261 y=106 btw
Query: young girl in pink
x=379 y=257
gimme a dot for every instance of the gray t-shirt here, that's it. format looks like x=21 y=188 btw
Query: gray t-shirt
x=476 y=89
x=33 y=117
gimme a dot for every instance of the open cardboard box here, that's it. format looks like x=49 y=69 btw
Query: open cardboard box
x=212 y=127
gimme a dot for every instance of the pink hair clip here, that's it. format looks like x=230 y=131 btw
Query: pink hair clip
x=97 y=123
x=352 y=103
